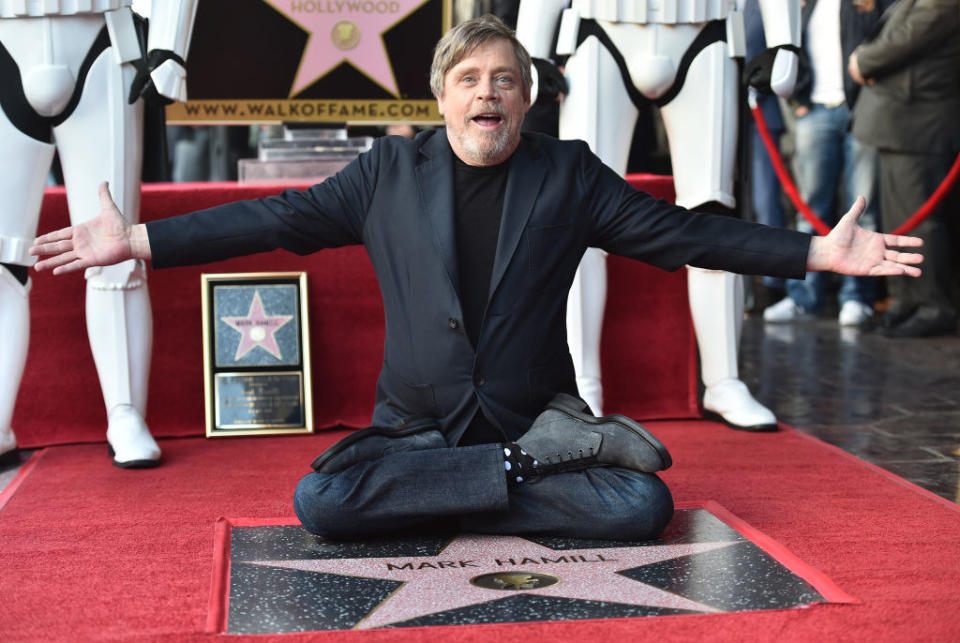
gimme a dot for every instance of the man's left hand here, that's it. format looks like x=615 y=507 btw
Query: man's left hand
x=853 y=68
x=850 y=249
x=160 y=79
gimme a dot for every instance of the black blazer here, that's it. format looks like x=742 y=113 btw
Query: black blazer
x=397 y=200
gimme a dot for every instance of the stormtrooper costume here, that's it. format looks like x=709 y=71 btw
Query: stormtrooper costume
x=73 y=74
x=680 y=55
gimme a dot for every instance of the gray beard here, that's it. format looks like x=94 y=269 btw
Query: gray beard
x=486 y=148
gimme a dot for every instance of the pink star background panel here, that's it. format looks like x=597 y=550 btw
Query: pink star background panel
x=365 y=21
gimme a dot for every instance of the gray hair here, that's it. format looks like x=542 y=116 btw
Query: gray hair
x=460 y=41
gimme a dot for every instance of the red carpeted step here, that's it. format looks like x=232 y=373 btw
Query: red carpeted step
x=647 y=342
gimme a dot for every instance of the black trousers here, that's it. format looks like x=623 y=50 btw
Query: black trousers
x=906 y=181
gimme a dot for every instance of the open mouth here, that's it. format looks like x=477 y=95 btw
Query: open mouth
x=487 y=120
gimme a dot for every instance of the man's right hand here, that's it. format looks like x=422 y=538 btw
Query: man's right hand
x=773 y=71
x=102 y=241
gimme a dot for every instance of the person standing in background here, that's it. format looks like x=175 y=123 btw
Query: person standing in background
x=831 y=165
x=908 y=109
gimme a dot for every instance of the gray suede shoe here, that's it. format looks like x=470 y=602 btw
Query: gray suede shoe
x=375 y=442
x=566 y=438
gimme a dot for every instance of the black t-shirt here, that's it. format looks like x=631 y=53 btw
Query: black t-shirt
x=478 y=207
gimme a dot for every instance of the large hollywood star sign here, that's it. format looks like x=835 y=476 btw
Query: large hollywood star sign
x=334 y=61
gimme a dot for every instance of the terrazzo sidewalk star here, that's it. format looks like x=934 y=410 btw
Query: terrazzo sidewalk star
x=448 y=581
x=280 y=578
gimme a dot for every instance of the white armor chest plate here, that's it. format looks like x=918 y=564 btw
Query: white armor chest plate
x=669 y=12
x=36 y=8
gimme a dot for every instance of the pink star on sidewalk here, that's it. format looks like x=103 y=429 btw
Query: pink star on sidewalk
x=257 y=329
x=345 y=30
x=439 y=583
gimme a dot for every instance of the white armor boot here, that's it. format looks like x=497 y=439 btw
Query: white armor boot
x=587 y=295
x=119 y=324
x=15 y=325
x=9 y=454
x=716 y=306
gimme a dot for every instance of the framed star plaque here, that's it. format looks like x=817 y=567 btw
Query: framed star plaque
x=312 y=61
x=256 y=351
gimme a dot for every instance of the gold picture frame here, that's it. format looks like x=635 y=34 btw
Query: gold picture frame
x=256 y=354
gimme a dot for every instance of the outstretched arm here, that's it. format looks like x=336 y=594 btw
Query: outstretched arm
x=852 y=250
x=102 y=241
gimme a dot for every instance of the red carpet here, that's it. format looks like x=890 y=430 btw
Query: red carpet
x=60 y=401
x=91 y=551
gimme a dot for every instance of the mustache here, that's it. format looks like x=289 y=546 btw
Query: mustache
x=488 y=108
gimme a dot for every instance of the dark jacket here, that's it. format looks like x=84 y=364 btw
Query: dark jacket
x=397 y=200
x=913 y=105
x=858 y=21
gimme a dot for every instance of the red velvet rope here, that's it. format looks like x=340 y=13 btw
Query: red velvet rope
x=791 y=189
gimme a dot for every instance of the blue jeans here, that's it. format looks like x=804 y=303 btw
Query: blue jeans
x=832 y=169
x=467 y=485
x=765 y=190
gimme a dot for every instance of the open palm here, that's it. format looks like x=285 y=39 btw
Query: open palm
x=854 y=250
x=101 y=241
